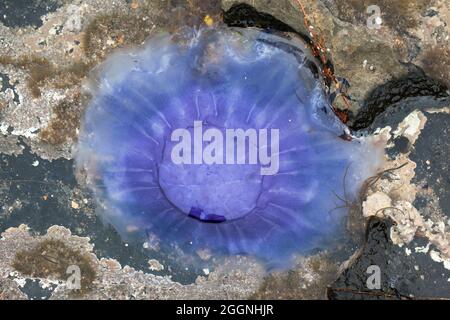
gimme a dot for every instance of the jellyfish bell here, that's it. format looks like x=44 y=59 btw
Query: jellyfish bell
x=179 y=133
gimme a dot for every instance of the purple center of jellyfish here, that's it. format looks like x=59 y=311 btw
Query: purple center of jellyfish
x=224 y=79
x=210 y=192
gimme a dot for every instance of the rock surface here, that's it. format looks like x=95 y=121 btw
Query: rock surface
x=399 y=84
x=408 y=236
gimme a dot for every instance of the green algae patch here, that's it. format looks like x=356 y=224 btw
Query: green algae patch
x=64 y=123
x=54 y=259
x=41 y=71
x=309 y=280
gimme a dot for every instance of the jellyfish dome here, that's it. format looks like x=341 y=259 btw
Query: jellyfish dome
x=221 y=139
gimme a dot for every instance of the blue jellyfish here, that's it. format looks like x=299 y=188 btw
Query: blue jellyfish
x=221 y=139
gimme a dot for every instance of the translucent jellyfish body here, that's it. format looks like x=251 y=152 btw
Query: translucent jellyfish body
x=161 y=136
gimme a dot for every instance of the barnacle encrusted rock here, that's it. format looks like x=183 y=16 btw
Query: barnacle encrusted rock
x=396 y=192
x=236 y=278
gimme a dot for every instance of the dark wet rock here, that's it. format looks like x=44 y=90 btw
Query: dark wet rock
x=404 y=273
x=244 y=16
x=352 y=282
x=431 y=154
x=432 y=146
x=35 y=291
x=393 y=115
x=43 y=193
x=415 y=84
x=22 y=13
x=408 y=271
x=402 y=144
x=284 y=16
